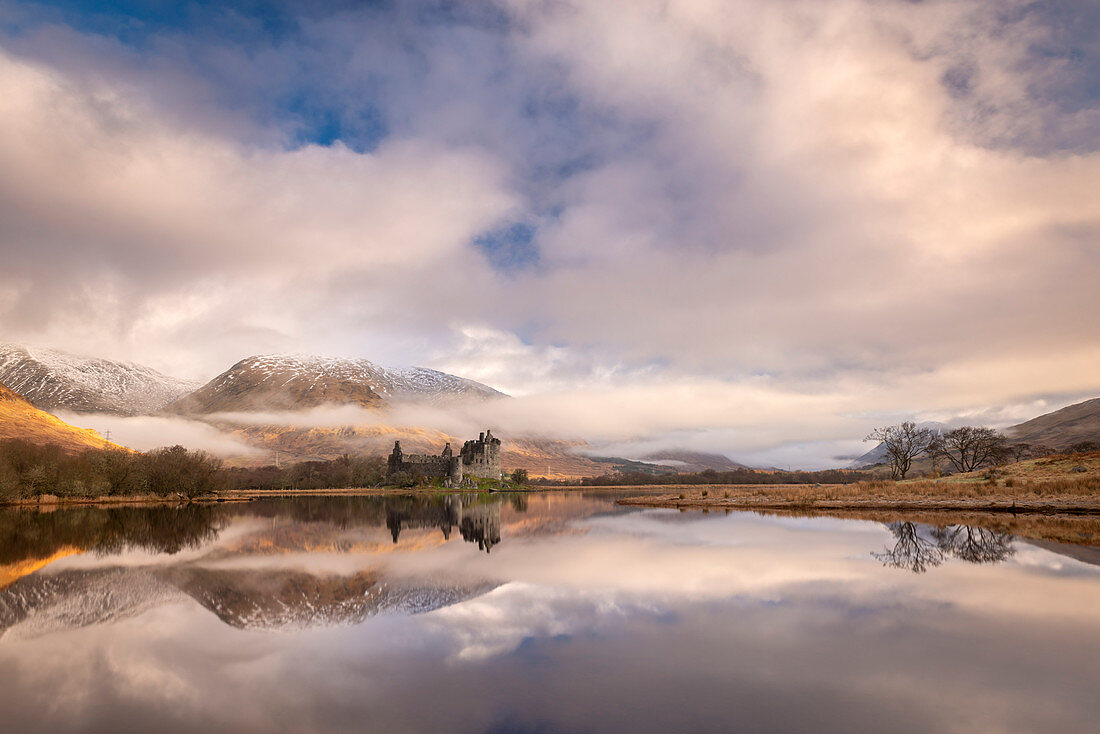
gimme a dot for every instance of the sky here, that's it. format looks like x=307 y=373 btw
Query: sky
x=753 y=227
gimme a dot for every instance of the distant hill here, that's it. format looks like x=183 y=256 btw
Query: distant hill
x=21 y=420
x=1062 y=428
x=55 y=380
x=680 y=460
x=292 y=383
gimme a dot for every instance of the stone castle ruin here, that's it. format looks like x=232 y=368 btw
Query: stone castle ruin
x=480 y=458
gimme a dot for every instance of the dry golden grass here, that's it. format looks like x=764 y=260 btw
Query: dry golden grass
x=1037 y=485
x=20 y=420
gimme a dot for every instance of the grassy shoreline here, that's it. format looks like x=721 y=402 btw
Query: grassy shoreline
x=1065 y=517
x=1064 y=484
x=1070 y=505
x=840 y=497
x=247 y=495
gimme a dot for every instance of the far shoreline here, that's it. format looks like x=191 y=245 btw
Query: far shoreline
x=738 y=497
x=1071 y=506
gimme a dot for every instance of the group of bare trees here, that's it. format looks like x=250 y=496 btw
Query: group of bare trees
x=964 y=449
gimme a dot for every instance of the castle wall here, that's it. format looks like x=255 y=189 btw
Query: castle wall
x=445 y=466
x=480 y=458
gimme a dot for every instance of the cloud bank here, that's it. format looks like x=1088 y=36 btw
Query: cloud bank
x=758 y=223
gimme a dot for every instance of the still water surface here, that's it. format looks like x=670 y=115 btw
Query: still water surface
x=535 y=613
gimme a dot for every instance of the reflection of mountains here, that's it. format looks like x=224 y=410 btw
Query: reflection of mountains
x=920 y=547
x=35 y=599
x=242 y=598
x=28 y=536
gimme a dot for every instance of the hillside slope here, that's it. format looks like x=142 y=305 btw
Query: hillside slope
x=21 y=420
x=541 y=457
x=55 y=380
x=291 y=383
x=682 y=460
x=1062 y=428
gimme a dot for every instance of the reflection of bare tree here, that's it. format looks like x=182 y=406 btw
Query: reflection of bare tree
x=974 y=545
x=911 y=551
x=918 y=552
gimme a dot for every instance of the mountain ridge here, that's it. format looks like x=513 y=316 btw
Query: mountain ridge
x=1060 y=428
x=277 y=382
x=55 y=380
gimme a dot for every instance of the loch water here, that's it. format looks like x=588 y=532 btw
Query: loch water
x=543 y=612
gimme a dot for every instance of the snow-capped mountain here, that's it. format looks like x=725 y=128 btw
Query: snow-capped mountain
x=292 y=382
x=55 y=380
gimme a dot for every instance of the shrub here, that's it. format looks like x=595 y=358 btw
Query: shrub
x=401 y=479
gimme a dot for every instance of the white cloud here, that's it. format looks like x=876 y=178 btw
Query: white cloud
x=770 y=222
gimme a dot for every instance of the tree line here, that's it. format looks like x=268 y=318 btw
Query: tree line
x=28 y=470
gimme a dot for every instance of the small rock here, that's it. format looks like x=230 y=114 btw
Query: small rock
x=1079 y=469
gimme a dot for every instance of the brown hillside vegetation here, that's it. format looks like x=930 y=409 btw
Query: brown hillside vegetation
x=1062 y=428
x=541 y=457
x=1061 y=483
x=21 y=420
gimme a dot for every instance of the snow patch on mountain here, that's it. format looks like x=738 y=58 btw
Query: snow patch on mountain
x=316 y=379
x=55 y=380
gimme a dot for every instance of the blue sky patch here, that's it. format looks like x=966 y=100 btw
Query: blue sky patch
x=511 y=247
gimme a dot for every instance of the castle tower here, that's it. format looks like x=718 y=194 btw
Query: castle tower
x=481 y=458
x=397 y=458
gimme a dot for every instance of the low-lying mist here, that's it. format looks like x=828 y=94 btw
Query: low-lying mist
x=144 y=433
x=756 y=425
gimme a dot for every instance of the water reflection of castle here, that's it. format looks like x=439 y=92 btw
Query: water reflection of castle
x=477 y=522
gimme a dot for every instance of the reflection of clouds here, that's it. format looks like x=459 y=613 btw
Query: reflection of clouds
x=643 y=563
x=641 y=624
x=497 y=622
x=820 y=663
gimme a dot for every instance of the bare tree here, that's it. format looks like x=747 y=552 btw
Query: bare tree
x=970 y=447
x=903 y=443
x=1019 y=451
x=911 y=551
x=974 y=544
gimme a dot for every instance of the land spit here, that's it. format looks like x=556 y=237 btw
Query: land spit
x=917 y=496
